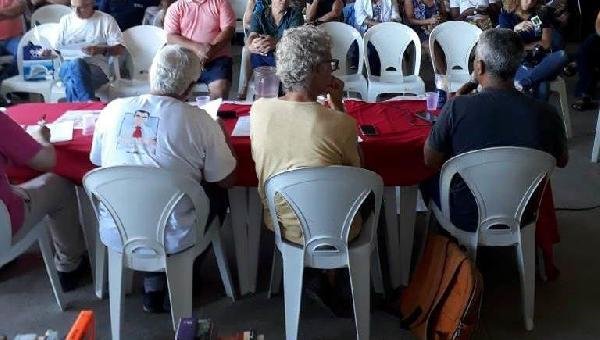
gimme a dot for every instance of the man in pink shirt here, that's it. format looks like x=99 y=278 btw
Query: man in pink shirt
x=205 y=27
x=46 y=195
x=11 y=29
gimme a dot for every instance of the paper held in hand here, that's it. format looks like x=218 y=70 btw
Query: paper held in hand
x=59 y=132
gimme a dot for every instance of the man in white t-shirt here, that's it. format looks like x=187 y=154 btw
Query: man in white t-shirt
x=461 y=9
x=86 y=39
x=161 y=130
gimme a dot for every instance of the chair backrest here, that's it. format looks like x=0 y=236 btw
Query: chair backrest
x=44 y=35
x=325 y=200
x=342 y=38
x=457 y=39
x=140 y=200
x=502 y=180
x=391 y=39
x=49 y=14
x=143 y=42
x=239 y=7
x=5 y=230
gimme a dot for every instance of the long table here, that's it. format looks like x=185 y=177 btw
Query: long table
x=395 y=154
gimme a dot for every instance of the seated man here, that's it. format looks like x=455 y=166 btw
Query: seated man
x=98 y=36
x=11 y=30
x=205 y=27
x=267 y=28
x=46 y=195
x=320 y=11
x=161 y=130
x=498 y=116
x=462 y=9
x=127 y=13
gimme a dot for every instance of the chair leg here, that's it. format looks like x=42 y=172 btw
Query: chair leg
x=526 y=262
x=293 y=270
x=561 y=87
x=128 y=280
x=44 y=242
x=100 y=268
x=376 y=272
x=179 y=281
x=276 y=274
x=596 y=147
x=116 y=292
x=361 y=294
x=223 y=265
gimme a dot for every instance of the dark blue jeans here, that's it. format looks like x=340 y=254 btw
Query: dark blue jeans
x=588 y=59
x=9 y=47
x=537 y=78
x=258 y=60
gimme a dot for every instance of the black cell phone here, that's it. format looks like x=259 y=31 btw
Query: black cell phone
x=426 y=116
x=368 y=130
x=226 y=114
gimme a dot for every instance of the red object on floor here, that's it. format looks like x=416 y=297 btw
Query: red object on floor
x=84 y=327
x=395 y=153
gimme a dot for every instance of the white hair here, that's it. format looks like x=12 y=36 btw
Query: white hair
x=501 y=50
x=174 y=68
x=299 y=52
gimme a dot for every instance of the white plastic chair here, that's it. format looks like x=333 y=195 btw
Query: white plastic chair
x=342 y=37
x=326 y=200
x=391 y=40
x=49 y=14
x=559 y=86
x=596 y=147
x=44 y=35
x=457 y=39
x=142 y=42
x=149 y=197
x=502 y=180
x=9 y=249
x=239 y=7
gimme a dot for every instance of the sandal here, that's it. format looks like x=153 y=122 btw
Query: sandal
x=584 y=104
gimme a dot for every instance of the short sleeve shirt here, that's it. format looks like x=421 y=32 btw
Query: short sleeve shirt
x=16 y=148
x=99 y=29
x=167 y=133
x=287 y=135
x=200 y=21
x=263 y=22
x=13 y=27
x=465 y=4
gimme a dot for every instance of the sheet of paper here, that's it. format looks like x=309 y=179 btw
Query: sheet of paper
x=76 y=116
x=72 y=52
x=59 y=132
x=242 y=127
x=212 y=107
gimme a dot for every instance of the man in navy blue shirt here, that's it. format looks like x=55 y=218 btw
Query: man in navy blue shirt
x=497 y=116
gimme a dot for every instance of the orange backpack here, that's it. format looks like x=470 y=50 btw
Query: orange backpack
x=443 y=298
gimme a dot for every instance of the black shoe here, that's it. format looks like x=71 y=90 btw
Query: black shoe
x=153 y=302
x=71 y=280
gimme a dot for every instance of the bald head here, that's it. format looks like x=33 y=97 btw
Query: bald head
x=83 y=8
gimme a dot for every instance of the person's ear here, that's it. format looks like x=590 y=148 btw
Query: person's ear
x=479 y=68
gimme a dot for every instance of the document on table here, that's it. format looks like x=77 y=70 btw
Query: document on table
x=76 y=116
x=242 y=127
x=59 y=132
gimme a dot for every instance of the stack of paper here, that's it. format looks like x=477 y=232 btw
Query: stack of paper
x=76 y=116
x=242 y=127
x=59 y=132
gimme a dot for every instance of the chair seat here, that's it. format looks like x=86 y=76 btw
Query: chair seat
x=18 y=84
x=355 y=83
x=395 y=84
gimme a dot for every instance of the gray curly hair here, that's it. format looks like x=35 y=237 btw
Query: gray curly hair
x=174 y=68
x=298 y=53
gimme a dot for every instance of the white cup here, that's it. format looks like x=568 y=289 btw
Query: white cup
x=88 y=122
x=202 y=100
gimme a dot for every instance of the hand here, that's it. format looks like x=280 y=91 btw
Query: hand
x=41 y=133
x=46 y=53
x=94 y=50
x=335 y=92
x=269 y=43
x=202 y=50
x=524 y=26
x=467 y=88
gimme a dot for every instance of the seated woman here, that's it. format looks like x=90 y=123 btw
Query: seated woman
x=588 y=61
x=423 y=16
x=320 y=11
x=542 y=64
x=369 y=13
x=475 y=11
x=267 y=28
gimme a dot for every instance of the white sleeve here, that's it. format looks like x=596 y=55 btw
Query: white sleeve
x=114 y=36
x=360 y=12
x=60 y=39
x=218 y=161
x=96 y=152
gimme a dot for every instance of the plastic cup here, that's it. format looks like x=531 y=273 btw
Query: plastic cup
x=88 y=122
x=432 y=100
x=202 y=100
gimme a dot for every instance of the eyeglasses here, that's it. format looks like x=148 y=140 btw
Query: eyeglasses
x=335 y=64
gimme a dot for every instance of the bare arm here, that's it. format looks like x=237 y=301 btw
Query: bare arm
x=248 y=13
x=12 y=11
x=336 y=12
x=598 y=23
x=44 y=160
x=433 y=158
x=409 y=11
x=223 y=38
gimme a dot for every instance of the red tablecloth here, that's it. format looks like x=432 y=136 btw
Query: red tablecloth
x=396 y=153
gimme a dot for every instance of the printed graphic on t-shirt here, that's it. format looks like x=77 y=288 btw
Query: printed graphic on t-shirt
x=138 y=132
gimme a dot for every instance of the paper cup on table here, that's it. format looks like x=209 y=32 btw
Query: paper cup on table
x=88 y=123
x=202 y=100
